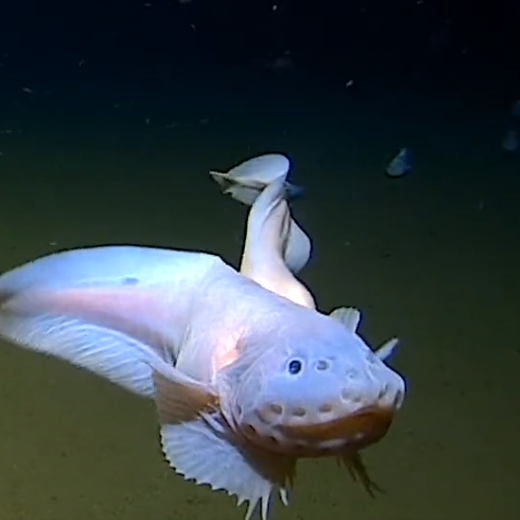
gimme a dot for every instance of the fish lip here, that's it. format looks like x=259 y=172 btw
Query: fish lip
x=369 y=424
x=350 y=433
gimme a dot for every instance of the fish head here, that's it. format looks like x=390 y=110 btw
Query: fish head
x=313 y=389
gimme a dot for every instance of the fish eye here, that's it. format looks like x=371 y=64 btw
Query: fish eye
x=295 y=366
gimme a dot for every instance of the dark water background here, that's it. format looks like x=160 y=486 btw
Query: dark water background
x=111 y=115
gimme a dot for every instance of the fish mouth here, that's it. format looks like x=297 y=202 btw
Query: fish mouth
x=366 y=426
x=350 y=433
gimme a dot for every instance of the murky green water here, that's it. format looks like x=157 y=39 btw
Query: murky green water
x=433 y=258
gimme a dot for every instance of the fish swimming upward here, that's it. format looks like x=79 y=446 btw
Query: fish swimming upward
x=247 y=378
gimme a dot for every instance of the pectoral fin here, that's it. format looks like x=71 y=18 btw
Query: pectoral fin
x=387 y=349
x=199 y=444
x=178 y=397
x=108 y=352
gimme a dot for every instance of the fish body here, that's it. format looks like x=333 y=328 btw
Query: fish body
x=106 y=309
x=245 y=380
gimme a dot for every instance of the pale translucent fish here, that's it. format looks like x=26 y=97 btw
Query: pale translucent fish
x=400 y=164
x=267 y=235
x=246 y=181
x=226 y=360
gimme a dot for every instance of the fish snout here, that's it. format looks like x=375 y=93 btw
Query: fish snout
x=328 y=410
